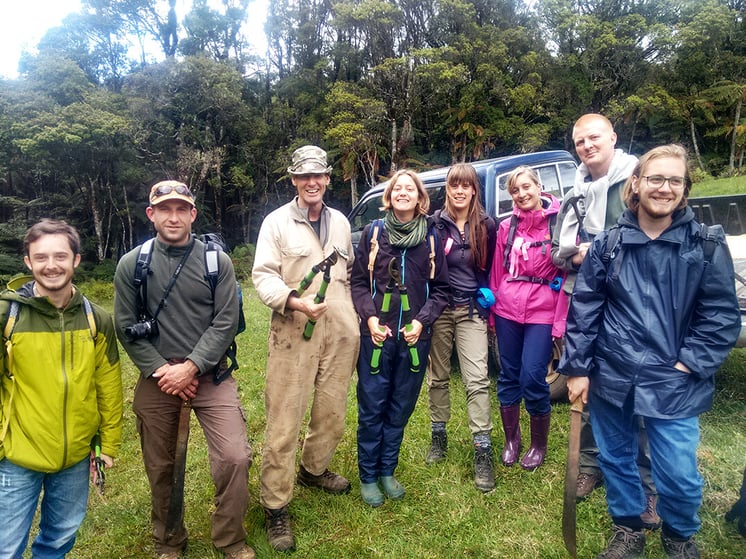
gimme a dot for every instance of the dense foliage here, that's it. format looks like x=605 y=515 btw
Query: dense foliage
x=380 y=84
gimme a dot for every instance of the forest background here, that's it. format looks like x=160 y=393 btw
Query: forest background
x=381 y=84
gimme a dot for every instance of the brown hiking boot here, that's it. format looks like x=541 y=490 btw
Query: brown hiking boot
x=624 y=544
x=328 y=481
x=587 y=482
x=650 y=518
x=244 y=552
x=679 y=549
x=279 y=530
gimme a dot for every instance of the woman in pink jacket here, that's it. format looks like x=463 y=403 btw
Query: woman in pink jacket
x=529 y=311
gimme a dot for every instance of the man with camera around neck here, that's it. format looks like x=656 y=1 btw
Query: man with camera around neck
x=177 y=337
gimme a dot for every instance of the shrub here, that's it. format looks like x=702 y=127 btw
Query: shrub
x=243 y=261
x=698 y=175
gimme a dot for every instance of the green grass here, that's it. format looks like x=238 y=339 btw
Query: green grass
x=719 y=187
x=443 y=515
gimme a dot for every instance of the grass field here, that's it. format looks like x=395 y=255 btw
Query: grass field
x=719 y=187
x=443 y=514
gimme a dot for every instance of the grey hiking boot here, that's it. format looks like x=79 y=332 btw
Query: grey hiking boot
x=679 y=549
x=484 y=469
x=624 y=544
x=279 y=530
x=438 y=448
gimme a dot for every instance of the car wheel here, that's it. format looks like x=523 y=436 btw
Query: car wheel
x=556 y=381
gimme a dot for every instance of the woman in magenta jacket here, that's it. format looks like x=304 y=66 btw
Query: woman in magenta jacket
x=529 y=311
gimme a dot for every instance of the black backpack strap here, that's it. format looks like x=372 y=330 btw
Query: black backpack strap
x=612 y=244
x=710 y=235
x=142 y=269
x=509 y=242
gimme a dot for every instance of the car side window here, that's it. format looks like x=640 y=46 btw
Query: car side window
x=567 y=176
x=549 y=179
x=369 y=211
x=437 y=198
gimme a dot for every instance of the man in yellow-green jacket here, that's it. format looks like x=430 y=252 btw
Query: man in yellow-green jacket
x=61 y=384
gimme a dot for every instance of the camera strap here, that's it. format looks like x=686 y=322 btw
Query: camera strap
x=172 y=281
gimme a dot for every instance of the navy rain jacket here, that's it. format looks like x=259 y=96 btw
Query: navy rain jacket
x=632 y=319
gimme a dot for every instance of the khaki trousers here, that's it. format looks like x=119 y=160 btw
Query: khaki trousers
x=469 y=335
x=298 y=371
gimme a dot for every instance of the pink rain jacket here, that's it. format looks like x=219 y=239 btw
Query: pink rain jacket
x=518 y=298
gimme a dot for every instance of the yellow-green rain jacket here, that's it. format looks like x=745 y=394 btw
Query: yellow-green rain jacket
x=67 y=387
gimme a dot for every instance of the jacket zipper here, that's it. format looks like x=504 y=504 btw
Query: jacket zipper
x=65 y=384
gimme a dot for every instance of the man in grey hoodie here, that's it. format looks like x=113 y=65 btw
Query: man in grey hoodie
x=593 y=205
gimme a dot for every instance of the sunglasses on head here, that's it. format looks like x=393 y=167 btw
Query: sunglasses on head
x=164 y=189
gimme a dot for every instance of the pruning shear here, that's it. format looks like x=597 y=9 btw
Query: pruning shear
x=395 y=281
x=97 y=464
x=326 y=267
x=308 y=279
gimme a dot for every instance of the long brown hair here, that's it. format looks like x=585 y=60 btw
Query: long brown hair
x=464 y=173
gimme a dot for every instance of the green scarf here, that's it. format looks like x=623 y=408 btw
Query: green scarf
x=405 y=235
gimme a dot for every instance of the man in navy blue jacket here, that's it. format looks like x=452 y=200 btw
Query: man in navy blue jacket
x=653 y=316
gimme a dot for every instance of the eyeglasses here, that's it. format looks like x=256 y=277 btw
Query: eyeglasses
x=657 y=181
x=163 y=189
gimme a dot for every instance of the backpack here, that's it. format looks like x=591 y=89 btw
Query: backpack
x=708 y=234
x=214 y=244
x=373 y=234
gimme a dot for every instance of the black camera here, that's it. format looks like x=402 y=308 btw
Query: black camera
x=141 y=330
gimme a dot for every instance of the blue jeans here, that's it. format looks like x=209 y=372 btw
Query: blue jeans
x=524 y=353
x=63 y=508
x=673 y=457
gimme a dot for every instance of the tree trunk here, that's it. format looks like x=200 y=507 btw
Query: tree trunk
x=96 y=215
x=218 y=189
x=393 y=146
x=353 y=190
x=734 y=138
x=696 y=145
x=632 y=135
x=128 y=217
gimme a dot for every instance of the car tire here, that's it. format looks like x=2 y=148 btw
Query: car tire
x=556 y=381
